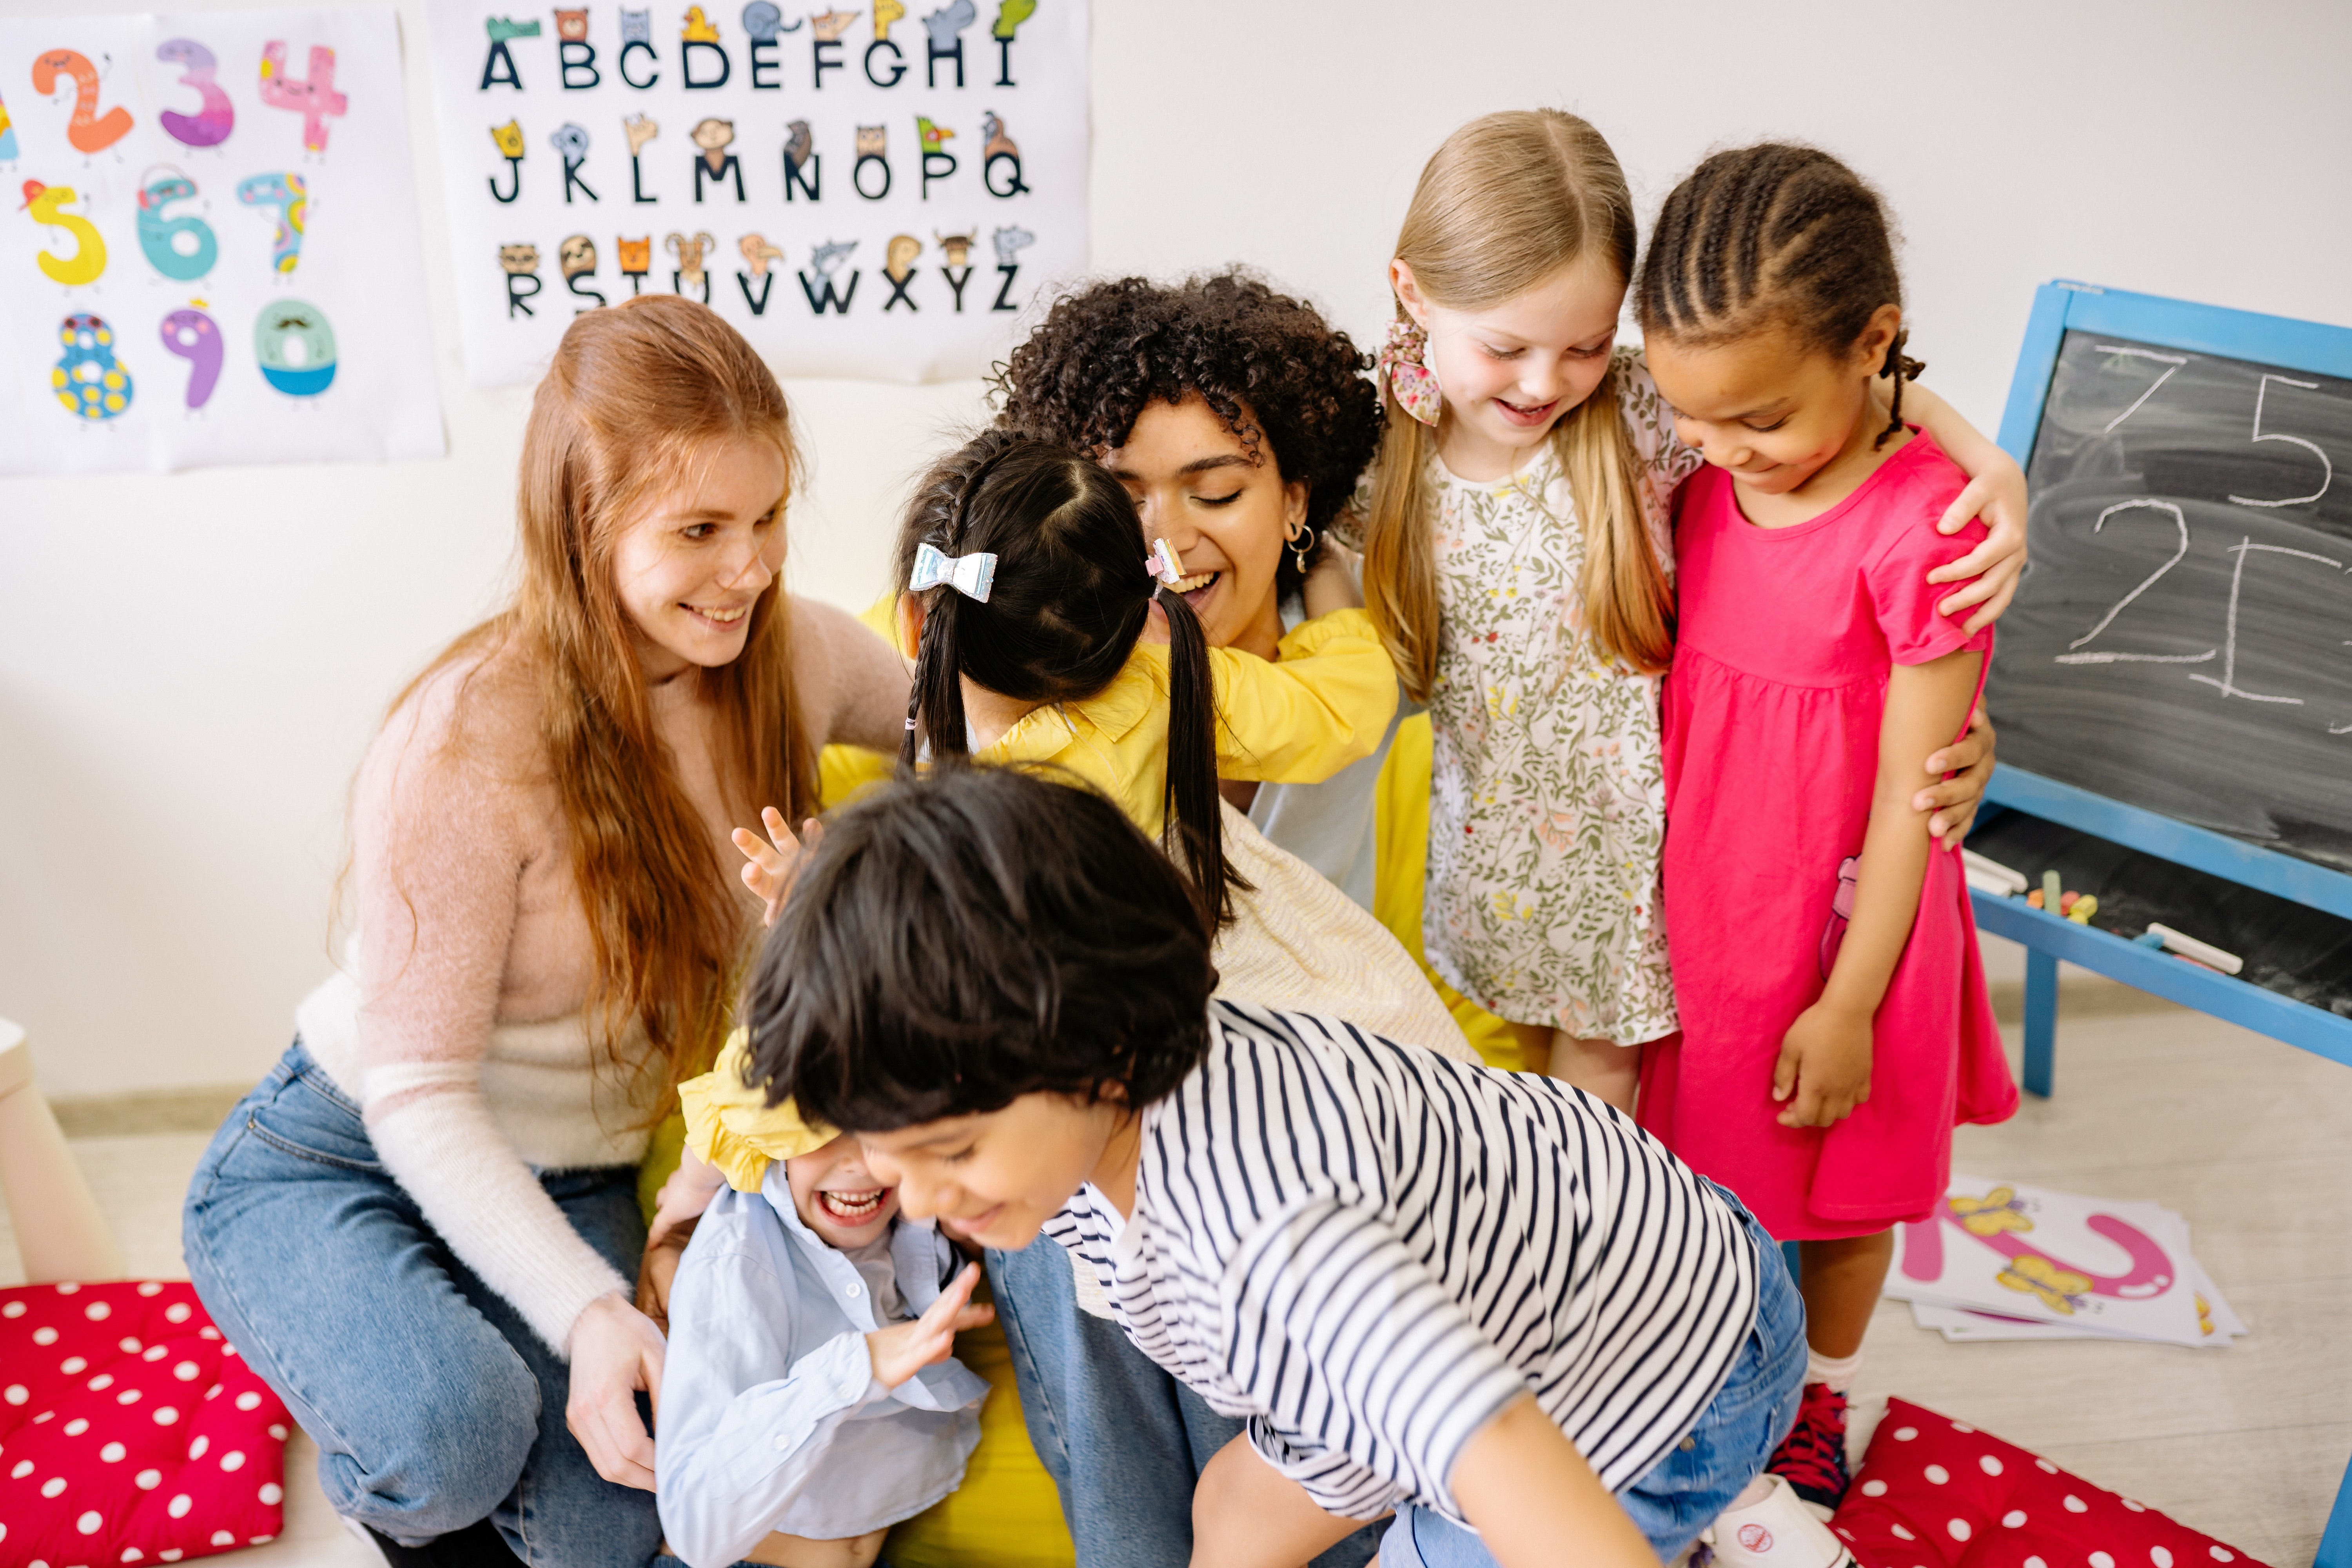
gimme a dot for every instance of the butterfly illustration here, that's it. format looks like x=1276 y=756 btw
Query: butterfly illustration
x=1997 y=1211
x=2060 y=1289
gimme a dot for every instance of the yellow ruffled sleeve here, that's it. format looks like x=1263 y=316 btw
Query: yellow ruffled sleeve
x=1324 y=704
x=730 y=1125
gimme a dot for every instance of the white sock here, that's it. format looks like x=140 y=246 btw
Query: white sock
x=1836 y=1371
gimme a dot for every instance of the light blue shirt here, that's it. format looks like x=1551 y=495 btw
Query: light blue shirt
x=771 y=1416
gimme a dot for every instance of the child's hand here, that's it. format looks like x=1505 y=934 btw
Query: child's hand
x=1955 y=800
x=1824 y=1067
x=902 y=1350
x=1997 y=495
x=768 y=868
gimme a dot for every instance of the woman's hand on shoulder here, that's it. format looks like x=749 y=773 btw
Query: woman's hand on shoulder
x=614 y=1351
x=1997 y=495
x=769 y=868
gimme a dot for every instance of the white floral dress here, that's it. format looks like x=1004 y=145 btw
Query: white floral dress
x=1547 y=800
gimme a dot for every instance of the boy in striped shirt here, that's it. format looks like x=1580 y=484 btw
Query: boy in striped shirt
x=1476 y=1300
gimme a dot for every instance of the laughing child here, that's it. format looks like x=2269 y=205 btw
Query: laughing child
x=809 y=1401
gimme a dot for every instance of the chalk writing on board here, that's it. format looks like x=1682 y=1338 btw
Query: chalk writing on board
x=2183 y=639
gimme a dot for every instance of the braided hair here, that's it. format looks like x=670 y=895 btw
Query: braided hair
x=1069 y=599
x=1775 y=236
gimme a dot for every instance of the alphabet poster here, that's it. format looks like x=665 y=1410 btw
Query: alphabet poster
x=208 y=243
x=876 y=192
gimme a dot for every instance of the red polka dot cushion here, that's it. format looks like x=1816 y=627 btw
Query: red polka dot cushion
x=129 y=1431
x=1937 y=1493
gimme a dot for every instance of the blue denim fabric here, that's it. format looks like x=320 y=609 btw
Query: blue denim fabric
x=433 y=1403
x=1123 y=1440
x=1681 y=1494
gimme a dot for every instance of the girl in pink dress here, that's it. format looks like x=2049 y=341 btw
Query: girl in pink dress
x=1835 y=1026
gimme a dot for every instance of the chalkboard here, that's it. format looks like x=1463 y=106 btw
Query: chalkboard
x=2182 y=641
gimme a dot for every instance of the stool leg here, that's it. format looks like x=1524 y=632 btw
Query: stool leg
x=60 y=1235
x=2041 y=1020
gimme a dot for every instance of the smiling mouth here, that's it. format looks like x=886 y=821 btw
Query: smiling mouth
x=1520 y=412
x=852 y=1209
x=1196 y=587
x=718 y=618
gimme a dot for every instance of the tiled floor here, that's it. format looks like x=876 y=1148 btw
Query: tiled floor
x=2251 y=1140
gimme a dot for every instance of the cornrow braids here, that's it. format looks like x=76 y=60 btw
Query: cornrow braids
x=1068 y=601
x=1776 y=234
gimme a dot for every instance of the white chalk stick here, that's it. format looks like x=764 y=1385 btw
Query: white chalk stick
x=2203 y=952
x=1992 y=876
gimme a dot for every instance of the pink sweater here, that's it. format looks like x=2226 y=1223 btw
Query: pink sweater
x=458 y=1022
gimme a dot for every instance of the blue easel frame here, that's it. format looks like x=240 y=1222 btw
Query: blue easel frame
x=2060 y=307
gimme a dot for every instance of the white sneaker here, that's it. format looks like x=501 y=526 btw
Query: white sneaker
x=1778 y=1533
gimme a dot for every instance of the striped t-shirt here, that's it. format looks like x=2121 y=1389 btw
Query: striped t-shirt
x=1369 y=1251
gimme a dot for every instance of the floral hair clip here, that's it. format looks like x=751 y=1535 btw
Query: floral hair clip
x=1411 y=382
x=1163 y=563
x=970 y=576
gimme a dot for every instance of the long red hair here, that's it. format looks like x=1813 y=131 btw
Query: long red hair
x=637 y=398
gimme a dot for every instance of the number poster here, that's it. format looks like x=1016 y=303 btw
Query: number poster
x=210 y=248
x=875 y=192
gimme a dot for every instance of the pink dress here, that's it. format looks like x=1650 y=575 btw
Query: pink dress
x=1771 y=715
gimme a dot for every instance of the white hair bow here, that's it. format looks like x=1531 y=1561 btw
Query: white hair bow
x=970 y=576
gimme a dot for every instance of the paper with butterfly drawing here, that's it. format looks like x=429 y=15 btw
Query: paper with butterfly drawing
x=209 y=247
x=2002 y=1261
x=879 y=191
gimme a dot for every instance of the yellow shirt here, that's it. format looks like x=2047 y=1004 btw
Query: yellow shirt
x=1325 y=704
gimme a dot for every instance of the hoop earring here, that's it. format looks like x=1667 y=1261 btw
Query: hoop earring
x=1300 y=543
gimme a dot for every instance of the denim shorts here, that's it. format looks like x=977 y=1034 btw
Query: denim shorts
x=1681 y=1494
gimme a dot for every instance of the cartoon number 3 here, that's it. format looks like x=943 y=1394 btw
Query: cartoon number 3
x=314 y=99
x=212 y=122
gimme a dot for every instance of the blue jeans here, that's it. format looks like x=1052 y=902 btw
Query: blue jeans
x=1123 y=1440
x=1681 y=1494
x=433 y=1403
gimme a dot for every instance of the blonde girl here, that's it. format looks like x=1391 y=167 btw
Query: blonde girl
x=1518 y=568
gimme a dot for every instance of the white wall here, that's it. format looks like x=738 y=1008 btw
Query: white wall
x=189 y=668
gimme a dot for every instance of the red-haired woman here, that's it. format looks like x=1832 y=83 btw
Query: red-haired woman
x=428 y=1210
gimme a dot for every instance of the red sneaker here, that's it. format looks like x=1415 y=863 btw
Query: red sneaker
x=1812 y=1458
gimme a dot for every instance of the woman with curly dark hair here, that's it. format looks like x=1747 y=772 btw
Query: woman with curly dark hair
x=1239 y=419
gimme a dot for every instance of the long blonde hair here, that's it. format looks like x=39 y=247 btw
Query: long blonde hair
x=1506 y=203
x=636 y=398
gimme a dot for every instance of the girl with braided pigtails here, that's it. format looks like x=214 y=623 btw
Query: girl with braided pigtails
x=1835 y=1026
